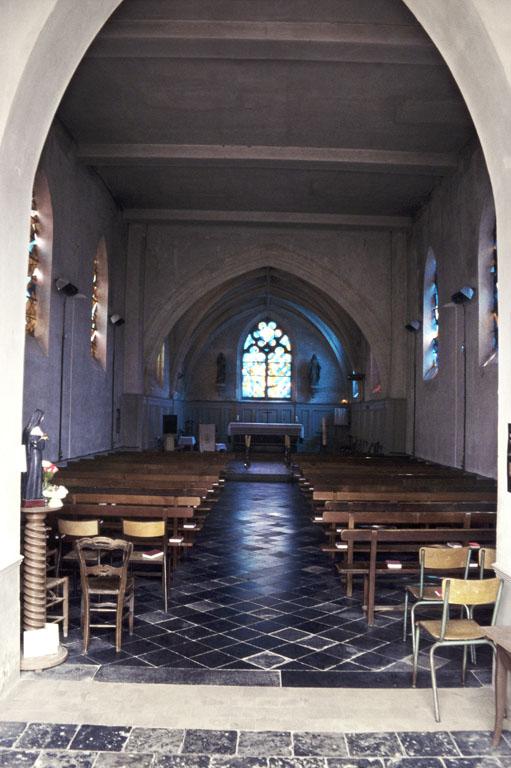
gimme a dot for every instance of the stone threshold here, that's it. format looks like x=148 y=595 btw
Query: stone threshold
x=274 y=678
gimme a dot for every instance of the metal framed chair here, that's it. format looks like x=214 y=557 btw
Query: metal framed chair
x=453 y=632
x=486 y=556
x=143 y=533
x=433 y=561
x=106 y=586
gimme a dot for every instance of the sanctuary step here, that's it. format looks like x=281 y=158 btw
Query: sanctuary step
x=261 y=470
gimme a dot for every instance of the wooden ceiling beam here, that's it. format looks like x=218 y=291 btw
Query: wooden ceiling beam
x=274 y=218
x=323 y=158
x=389 y=43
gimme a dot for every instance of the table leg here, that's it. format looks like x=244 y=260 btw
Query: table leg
x=287 y=450
x=248 y=443
x=500 y=694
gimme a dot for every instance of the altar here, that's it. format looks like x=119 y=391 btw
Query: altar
x=250 y=429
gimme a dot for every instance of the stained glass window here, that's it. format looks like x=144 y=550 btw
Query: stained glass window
x=266 y=362
x=434 y=322
x=33 y=272
x=94 y=311
x=495 y=295
x=431 y=318
x=160 y=366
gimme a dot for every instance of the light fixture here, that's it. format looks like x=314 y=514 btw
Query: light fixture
x=463 y=296
x=413 y=326
x=117 y=320
x=65 y=286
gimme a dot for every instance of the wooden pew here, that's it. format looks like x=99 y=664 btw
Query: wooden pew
x=116 y=507
x=348 y=519
x=380 y=539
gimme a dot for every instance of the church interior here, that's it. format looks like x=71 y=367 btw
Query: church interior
x=262 y=344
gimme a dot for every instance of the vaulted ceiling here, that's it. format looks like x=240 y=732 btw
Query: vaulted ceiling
x=301 y=111
x=266 y=290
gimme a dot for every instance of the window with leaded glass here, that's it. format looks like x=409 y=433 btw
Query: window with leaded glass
x=266 y=362
x=94 y=311
x=494 y=294
x=33 y=272
x=430 y=318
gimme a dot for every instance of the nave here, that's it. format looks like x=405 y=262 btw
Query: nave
x=256 y=602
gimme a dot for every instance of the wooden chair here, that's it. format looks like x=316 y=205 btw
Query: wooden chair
x=69 y=531
x=453 y=632
x=433 y=561
x=57 y=594
x=101 y=579
x=143 y=533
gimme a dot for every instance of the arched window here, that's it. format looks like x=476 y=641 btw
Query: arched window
x=494 y=311
x=99 y=304
x=488 y=288
x=33 y=271
x=160 y=366
x=37 y=308
x=431 y=320
x=266 y=362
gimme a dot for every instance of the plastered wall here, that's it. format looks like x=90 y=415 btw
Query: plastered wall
x=352 y=266
x=450 y=224
x=83 y=213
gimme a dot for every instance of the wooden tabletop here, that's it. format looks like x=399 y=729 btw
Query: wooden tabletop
x=500 y=635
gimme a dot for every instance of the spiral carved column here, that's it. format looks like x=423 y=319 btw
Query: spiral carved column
x=34 y=568
x=34 y=585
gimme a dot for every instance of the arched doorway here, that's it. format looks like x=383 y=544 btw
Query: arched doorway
x=45 y=47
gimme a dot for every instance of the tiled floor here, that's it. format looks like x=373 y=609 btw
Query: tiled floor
x=257 y=603
x=99 y=746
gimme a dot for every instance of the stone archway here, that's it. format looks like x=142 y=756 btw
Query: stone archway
x=47 y=41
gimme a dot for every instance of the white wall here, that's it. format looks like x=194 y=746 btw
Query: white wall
x=450 y=225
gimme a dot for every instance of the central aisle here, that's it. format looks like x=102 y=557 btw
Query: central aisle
x=256 y=602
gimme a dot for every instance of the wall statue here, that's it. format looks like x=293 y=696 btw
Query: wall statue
x=34 y=441
x=221 y=365
x=314 y=372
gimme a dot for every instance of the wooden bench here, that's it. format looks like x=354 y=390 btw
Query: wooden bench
x=381 y=539
x=341 y=520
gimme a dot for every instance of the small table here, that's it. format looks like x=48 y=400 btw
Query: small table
x=501 y=636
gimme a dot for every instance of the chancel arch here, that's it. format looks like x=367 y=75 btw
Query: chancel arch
x=337 y=284
x=481 y=67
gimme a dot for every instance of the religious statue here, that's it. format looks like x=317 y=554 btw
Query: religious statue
x=34 y=441
x=314 y=371
x=220 y=369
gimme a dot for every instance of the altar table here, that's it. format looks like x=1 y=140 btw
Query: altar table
x=254 y=428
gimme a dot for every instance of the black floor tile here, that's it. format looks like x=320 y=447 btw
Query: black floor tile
x=105 y=738
x=218 y=742
x=257 y=581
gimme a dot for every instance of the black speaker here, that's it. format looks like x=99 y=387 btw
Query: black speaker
x=170 y=425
